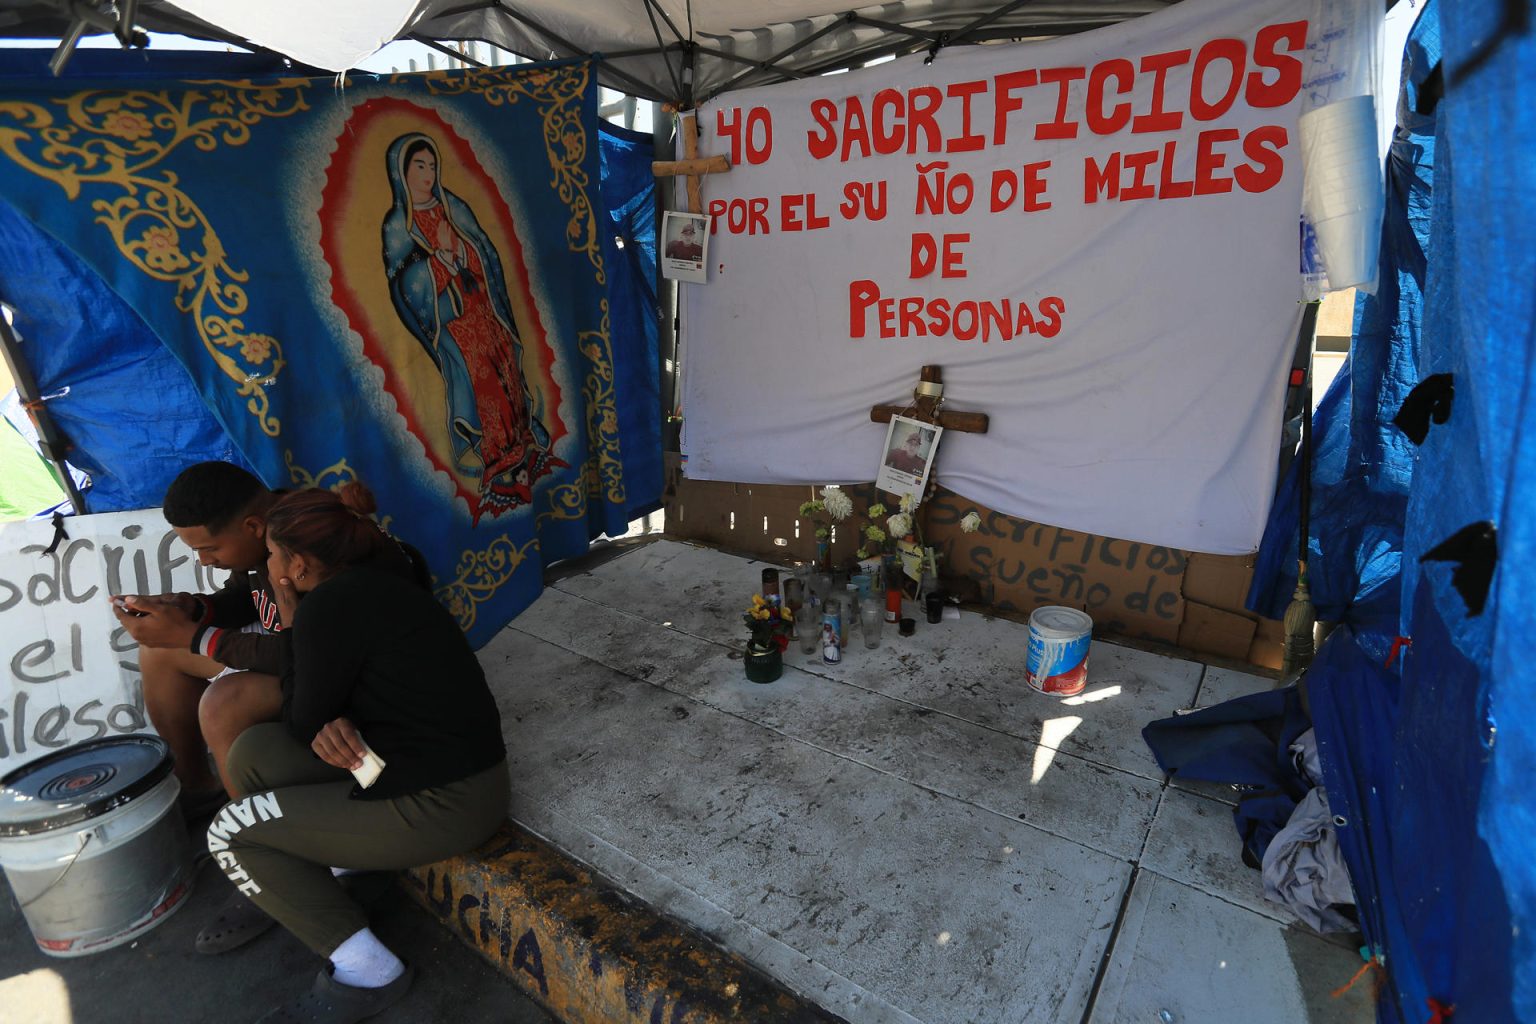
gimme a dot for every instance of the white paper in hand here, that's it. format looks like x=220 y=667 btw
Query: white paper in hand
x=367 y=773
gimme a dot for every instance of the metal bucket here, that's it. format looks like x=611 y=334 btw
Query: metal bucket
x=93 y=844
x=1056 y=662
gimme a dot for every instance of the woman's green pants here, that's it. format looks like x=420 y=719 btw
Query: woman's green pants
x=296 y=819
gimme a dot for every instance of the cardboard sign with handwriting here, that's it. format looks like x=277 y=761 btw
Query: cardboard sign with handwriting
x=70 y=671
x=1130 y=589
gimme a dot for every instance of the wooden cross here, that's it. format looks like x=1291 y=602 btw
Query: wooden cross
x=693 y=167
x=927 y=399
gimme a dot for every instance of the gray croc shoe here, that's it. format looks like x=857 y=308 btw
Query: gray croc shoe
x=331 y=1002
x=238 y=922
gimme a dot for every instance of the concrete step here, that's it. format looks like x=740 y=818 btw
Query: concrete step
x=586 y=951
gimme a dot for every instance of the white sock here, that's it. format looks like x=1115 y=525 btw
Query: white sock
x=362 y=961
x=344 y=872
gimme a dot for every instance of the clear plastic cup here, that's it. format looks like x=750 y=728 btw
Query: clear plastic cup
x=871 y=622
x=808 y=629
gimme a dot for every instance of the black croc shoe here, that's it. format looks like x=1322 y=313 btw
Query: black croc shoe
x=239 y=921
x=331 y=1002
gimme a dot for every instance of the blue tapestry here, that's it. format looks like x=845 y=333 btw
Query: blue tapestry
x=398 y=279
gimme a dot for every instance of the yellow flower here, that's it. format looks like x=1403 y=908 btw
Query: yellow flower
x=161 y=250
x=127 y=124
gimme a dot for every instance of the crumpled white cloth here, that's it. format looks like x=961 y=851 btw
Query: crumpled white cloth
x=1304 y=870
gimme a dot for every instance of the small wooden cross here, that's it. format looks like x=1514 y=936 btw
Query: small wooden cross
x=693 y=167
x=927 y=398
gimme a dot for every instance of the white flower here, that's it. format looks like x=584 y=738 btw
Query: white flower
x=908 y=503
x=970 y=522
x=899 y=524
x=839 y=505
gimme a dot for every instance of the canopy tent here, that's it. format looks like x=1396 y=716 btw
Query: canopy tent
x=1431 y=948
x=673 y=50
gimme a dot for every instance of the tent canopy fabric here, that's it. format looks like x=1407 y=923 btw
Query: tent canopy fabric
x=675 y=50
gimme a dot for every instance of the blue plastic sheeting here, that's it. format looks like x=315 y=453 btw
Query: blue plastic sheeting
x=121 y=398
x=629 y=252
x=1482 y=298
x=1244 y=742
x=126 y=405
x=1430 y=759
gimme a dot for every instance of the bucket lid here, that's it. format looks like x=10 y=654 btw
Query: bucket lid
x=80 y=782
x=1060 y=622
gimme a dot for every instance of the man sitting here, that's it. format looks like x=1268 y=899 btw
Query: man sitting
x=210 y=664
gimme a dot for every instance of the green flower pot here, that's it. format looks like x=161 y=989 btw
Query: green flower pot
x=764 y=664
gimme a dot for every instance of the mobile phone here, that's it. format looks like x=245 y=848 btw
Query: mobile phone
x=122 y=602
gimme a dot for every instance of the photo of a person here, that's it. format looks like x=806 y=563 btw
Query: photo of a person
x=685 y=241
x=910 y=455
x=447 y=285
x=686 y=246
x=909 y=450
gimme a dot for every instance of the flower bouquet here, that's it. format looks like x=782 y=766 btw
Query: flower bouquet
x=763 y=621
x=874 y=540
x=905 y=529
x=764 y=658
x=833 y=506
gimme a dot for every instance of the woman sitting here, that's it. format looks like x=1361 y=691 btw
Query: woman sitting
x=372 y=662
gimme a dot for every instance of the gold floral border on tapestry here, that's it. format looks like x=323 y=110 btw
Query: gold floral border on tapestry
x=607 y=478
x=481 y=574
x=342 y=473
x=557 y=93
x=602 y=473
x=117 y=139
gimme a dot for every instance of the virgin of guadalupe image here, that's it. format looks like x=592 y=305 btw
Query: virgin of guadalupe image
x=446 y=283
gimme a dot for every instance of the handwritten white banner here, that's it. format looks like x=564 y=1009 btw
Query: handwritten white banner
x=1095 y=237
x=71 y=672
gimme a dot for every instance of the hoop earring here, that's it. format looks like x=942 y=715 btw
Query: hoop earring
x=303 y=574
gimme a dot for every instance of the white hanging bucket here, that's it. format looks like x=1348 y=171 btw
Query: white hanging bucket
x=93 y=844
x=1057 y=661
x=1343 y=192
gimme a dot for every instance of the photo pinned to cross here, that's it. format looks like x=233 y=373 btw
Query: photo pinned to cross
x=905 y=468
x=910 y=447
x=685 y=246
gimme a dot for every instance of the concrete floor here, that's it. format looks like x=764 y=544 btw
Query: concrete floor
x=161 y=979
x=912 y=835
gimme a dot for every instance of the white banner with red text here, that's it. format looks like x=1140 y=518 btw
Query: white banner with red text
x=1095 y=237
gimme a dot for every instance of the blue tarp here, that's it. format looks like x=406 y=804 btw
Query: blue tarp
x=129 y=410
x=1429 y=759
x=629 y=251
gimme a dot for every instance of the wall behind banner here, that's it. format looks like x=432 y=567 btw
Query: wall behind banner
x=71 y=672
